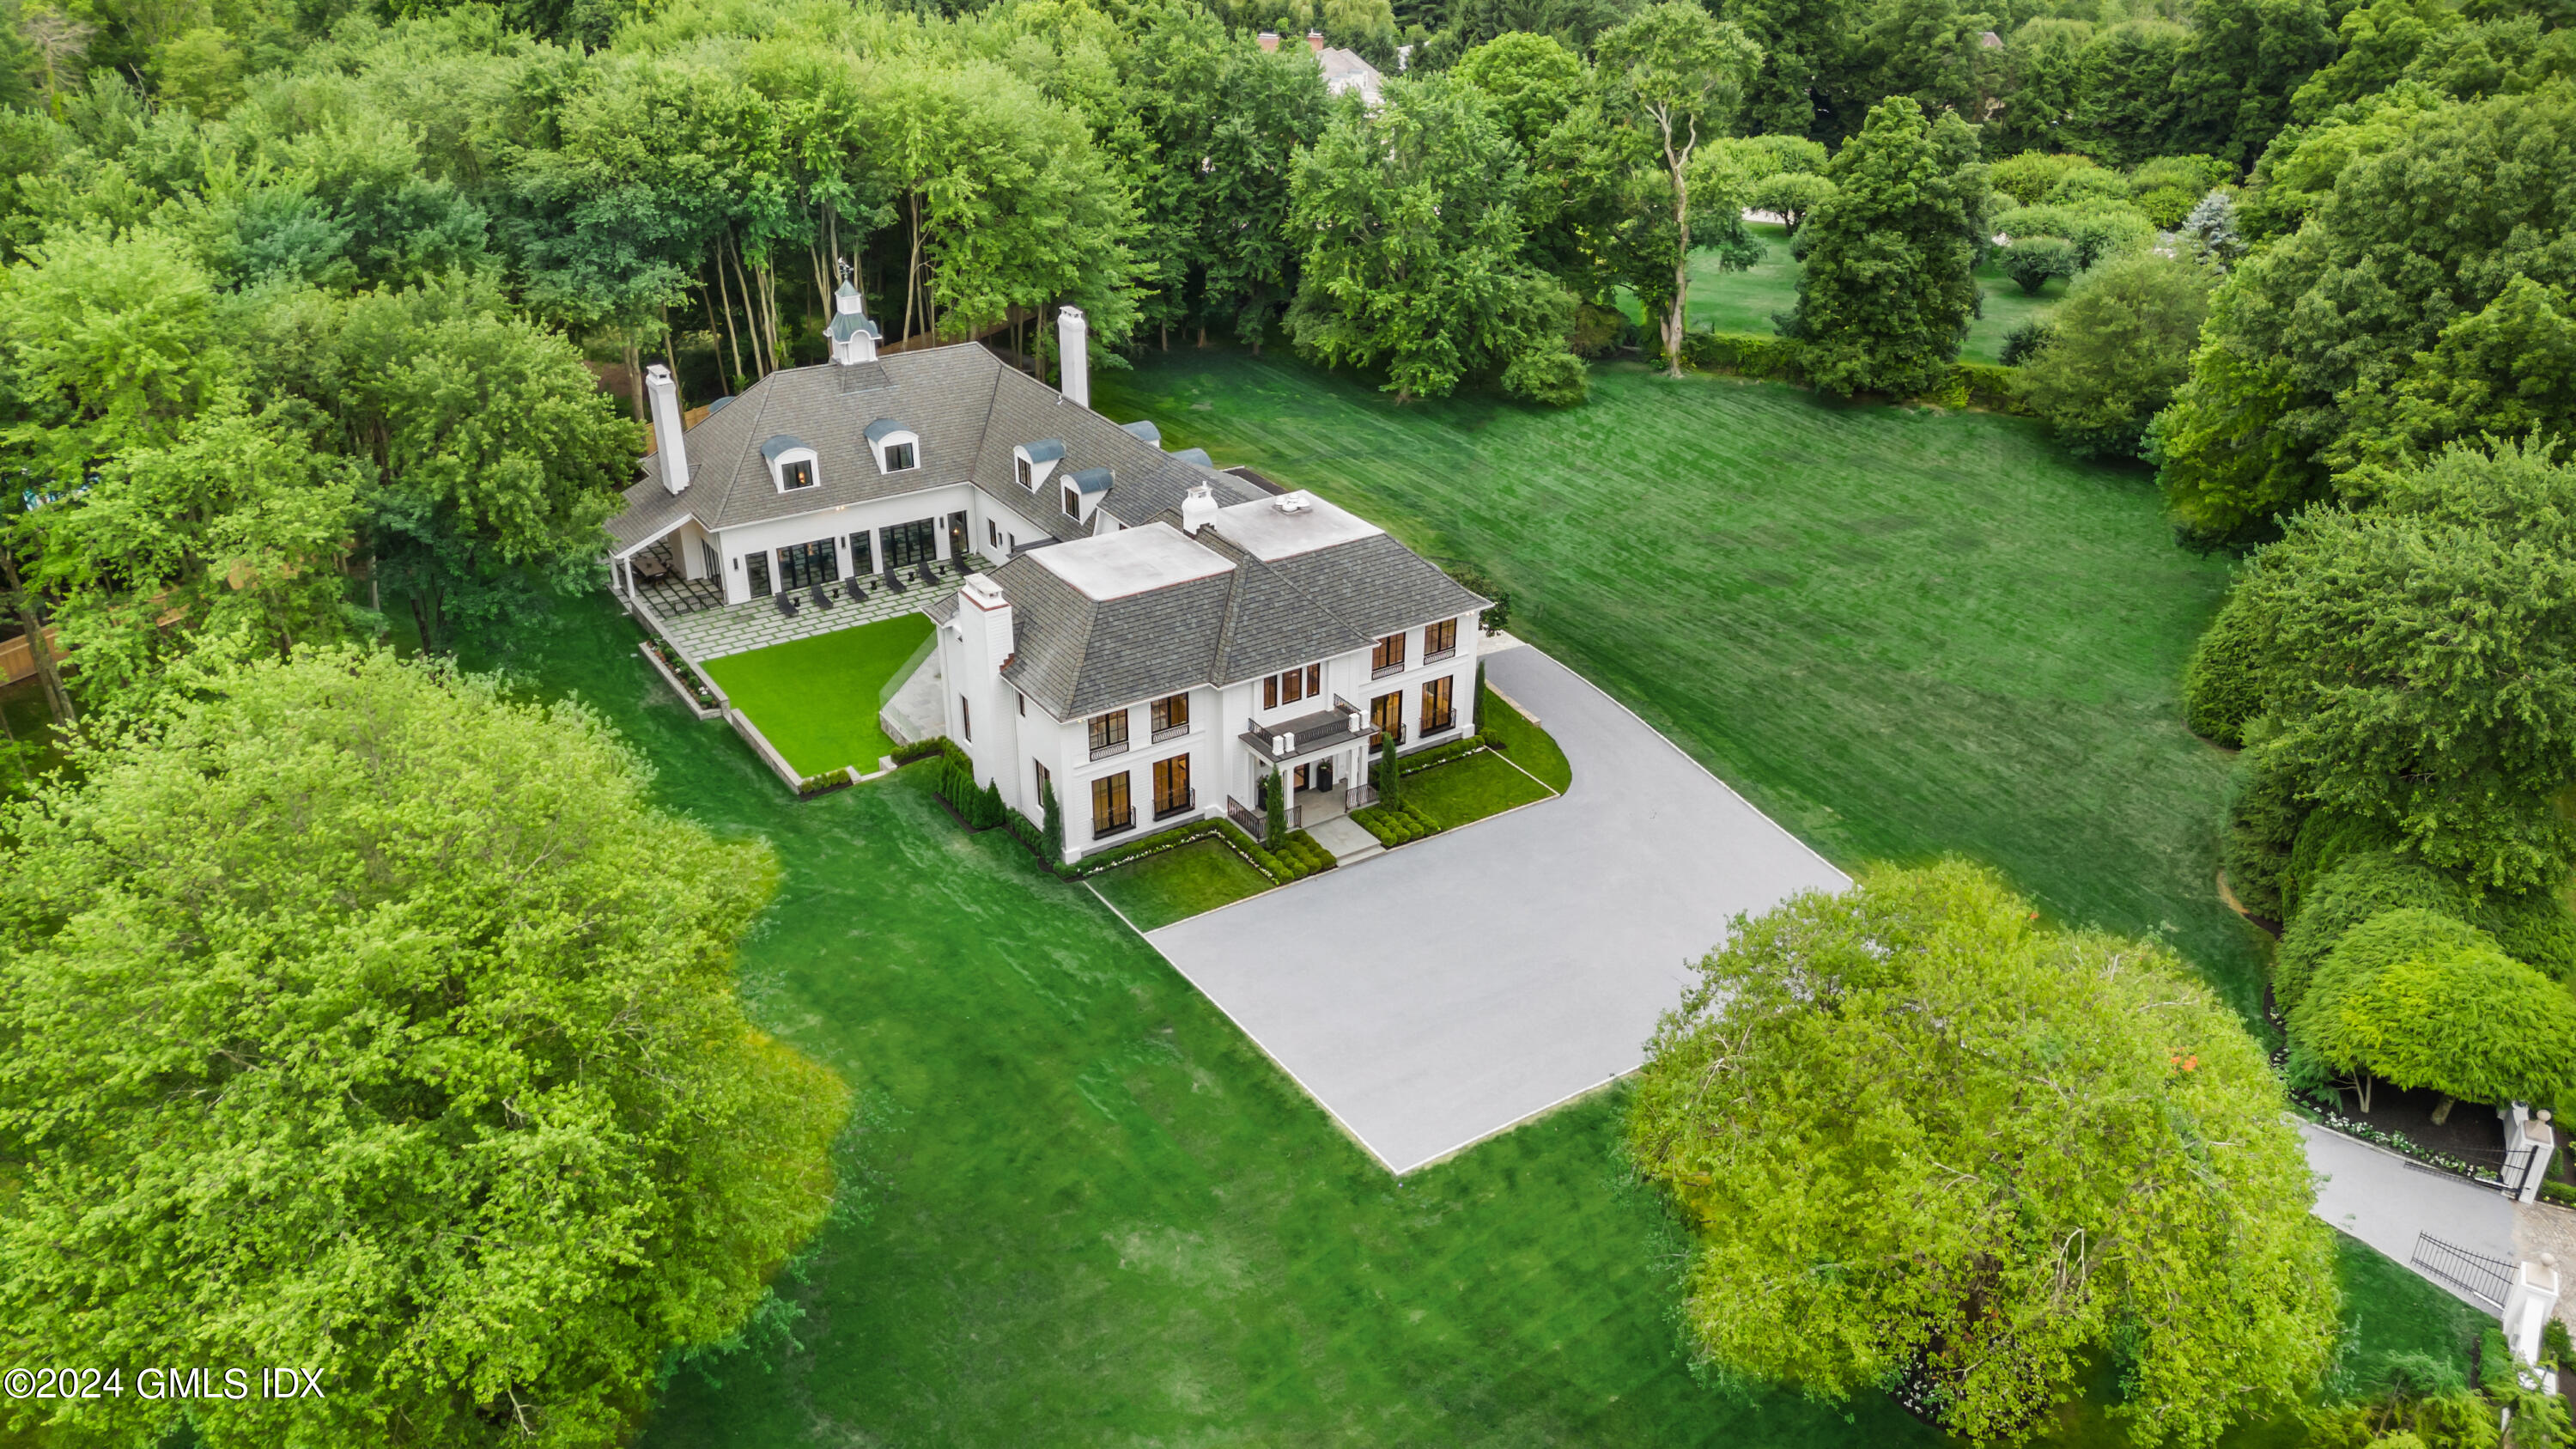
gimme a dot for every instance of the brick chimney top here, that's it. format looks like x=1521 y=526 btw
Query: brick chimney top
x=1315 y=41
x=1269 y=39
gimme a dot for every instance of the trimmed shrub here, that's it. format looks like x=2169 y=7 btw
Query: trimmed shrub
x=2326 y=839
x=2254 y=848
x=2027 y=340
x=1552 y=377
x=2222 y=686
x=2360 y=889
x=2031 y=261
x=2534 y=927
x=1744 y=354
x=1996 y=389
x=2421 y=1000
x=2029 y=176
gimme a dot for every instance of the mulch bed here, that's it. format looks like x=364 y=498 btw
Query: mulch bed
x=2473 y=1132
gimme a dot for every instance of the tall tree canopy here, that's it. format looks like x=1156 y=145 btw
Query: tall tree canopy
x=365 y=1021
x=1916 y=1135
x=1889 y=283
x=1414 y=263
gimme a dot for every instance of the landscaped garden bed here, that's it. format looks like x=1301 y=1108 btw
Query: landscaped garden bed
x=684 y=680
x=1485 y=774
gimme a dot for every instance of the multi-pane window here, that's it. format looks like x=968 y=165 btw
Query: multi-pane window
x=1028 y=474
x=1046 y=781
x=863 y=552
x=1171 y=715
x=1072 y=501
x=1292 y=686
x=1437 y=713
x=1108 y=733
x=1110 y=810
x=898 y=457
x=1172 y=786
x=1387 y=713
x=799 y=474
x=801 y=565
x=992 y=533
x=912 y=543
x=758 y=566
x=1388 y=656
x=1440 y=640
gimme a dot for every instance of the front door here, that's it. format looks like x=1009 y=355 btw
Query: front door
x=957 y=538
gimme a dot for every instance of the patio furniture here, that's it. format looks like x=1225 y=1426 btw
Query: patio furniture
x=893 y=582
x=928 y=579
x=787 y=605
x=821 y=600
x=646 y=566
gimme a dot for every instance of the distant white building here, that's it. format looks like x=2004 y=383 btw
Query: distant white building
x=1343 y=69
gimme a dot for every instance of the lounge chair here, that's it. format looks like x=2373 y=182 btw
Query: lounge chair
x=787 y=604
x=821 y=600
x=893 y=581
x=928 y=578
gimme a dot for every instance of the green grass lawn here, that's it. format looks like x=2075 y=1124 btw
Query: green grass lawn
x=816 y=699
x=1899 y=632
x=1746 y=301
x=1470 y=789
x=1083 y=1209
x=1178 y=884
x=1529 y=746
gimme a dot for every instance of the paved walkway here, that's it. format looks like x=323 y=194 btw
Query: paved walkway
x=2390 y=1202
x=757 y=624
x=1450 y=989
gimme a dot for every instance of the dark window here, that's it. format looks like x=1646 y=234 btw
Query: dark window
x=1388 y=656
x=863 y=552
x=1028 y=474
x=1314 y=681
x=1437 y=715
x=1296 y=684
x=1108 y=733
x=1170 y=714
x=1024 y=704
x=801 y=565
x=1072 y=501
x=1110 y=811
x=1045 y=783
x=992 y=533
x=1387 y=713
x=1172 y=793
x=1440 y=640
x=799 y=474
x=1270 y=692
x=898 y=457
x=912 y=543
x=965 y=720
x=714 y=561
x=758 y=565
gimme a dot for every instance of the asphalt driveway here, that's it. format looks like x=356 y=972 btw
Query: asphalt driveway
x=1444 y=991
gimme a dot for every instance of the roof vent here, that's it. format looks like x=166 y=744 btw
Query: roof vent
x=1296 y=502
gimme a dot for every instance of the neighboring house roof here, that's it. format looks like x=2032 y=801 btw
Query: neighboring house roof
x=1345 y=71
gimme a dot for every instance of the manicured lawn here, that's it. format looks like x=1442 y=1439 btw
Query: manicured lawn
x=1178 y=884
x=1899 y=632
x=1470 y=789
x=816 y=699
x=1528 y=746
x=1746 y=301
x=1082 y=1209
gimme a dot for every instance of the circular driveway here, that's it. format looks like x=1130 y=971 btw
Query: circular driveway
x=1444 y=991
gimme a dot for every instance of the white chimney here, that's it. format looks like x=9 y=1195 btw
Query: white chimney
x=984 y=620
x=1073 y=353
x=1198 y=509
x=663 y=395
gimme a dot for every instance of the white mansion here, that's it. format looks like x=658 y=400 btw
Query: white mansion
x=1163 y=636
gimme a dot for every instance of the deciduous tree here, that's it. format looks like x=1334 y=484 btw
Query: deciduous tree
x=1917 y=1135
x=365 y=1021
x=2123 y=344
x=1888 y=287
x=2422 y=1000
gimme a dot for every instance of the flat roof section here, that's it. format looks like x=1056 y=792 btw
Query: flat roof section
x=1269 y=532
x=1130 y=561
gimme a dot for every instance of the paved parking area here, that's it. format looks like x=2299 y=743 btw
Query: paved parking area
x=1439 y=993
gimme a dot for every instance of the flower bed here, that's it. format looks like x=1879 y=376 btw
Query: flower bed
x=684 y=681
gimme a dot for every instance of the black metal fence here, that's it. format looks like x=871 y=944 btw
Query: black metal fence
x=2480 y=1277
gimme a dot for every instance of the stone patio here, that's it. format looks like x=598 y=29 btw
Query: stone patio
x=702 y=632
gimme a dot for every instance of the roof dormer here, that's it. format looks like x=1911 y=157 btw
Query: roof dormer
x=1083 y=492
x=1031 y=463
x=1143 y=430
x=897 y=448
x=792 y=464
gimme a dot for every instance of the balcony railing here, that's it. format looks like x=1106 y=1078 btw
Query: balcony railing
x=1119 y=826
x=1361 y=794
x=1436 y=655
x=1171 y=732
x=1381 y=671
x=1114 y=747
x=1166 y=809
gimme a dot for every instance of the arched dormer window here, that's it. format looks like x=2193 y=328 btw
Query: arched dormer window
x=792 y=465
x=897 y=447
x=1032 y=463
x=1083 y=492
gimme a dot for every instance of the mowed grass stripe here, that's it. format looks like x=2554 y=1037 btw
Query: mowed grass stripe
x=1901 y=633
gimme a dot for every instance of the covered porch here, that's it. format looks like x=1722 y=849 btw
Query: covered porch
x=1324 y=757
x=693 y=615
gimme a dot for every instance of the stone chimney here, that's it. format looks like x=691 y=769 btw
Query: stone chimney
x=984 y=627
x=1269 y=39
x=663 y=395
x=1315 y=41
x=1073 y=354
x=1198 y=509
